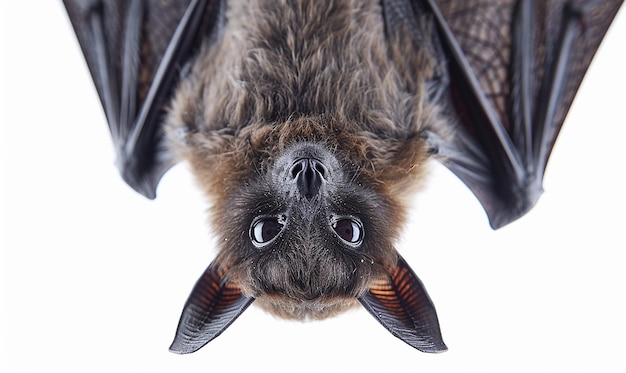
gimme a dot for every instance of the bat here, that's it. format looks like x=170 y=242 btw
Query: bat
x=308 y=124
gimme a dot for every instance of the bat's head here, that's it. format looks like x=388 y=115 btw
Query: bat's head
x=307 y=214
x=306 y=238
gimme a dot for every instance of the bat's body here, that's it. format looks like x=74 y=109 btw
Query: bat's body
x=307 y=124
x=314 y=81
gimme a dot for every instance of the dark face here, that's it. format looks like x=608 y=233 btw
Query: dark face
x=305 y=237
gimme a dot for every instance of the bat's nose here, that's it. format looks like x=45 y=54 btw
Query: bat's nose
x=308 y=173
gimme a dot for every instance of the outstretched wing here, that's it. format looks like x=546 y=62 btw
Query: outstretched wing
x=135 y=50
x=514 y=68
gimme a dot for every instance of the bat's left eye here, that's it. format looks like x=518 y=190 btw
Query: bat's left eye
x=264 y=230
x=349 y=229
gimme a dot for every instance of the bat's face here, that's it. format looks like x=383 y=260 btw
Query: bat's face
x=307 y=212
x=303 y=236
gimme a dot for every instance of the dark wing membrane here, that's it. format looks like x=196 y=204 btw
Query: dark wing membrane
x=514 y=69
x=135 y=50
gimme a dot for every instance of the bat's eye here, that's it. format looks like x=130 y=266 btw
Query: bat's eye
x=349 y=230
x=264 y=230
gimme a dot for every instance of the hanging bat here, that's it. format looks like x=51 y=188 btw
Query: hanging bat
x=307 y=124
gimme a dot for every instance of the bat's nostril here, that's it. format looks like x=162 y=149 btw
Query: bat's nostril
x=308 y=174
x=297 y=168
x=319 y=167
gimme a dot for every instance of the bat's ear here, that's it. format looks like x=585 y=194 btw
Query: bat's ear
x=212 y=306
x=402 y=305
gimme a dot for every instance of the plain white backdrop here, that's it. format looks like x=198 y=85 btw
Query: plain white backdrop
x=94 y=276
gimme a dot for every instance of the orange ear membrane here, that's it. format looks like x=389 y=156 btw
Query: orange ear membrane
x=403 y=306
x=211 y=307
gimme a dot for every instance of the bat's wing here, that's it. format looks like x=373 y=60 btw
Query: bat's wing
x=513 y=69
x=135 y=51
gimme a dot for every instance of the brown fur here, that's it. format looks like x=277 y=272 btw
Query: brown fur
x=324 y=73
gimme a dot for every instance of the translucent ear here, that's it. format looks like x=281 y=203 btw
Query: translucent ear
x=211 y=307
x=400 y=303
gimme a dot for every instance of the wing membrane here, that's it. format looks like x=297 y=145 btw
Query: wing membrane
x=515 y=67
x=135 y=50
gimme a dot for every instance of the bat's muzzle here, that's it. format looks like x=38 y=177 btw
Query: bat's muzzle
x=309 y=174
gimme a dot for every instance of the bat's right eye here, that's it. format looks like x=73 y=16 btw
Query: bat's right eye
x=264 y=230
x=350 y=230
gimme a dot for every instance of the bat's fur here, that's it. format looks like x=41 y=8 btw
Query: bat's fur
x=323 y=79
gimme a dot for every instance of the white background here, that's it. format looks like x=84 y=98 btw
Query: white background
x=94 y=276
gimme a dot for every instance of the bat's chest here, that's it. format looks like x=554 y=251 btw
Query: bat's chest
x=280 y=61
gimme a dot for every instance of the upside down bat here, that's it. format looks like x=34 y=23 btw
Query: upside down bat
x=308 y=123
